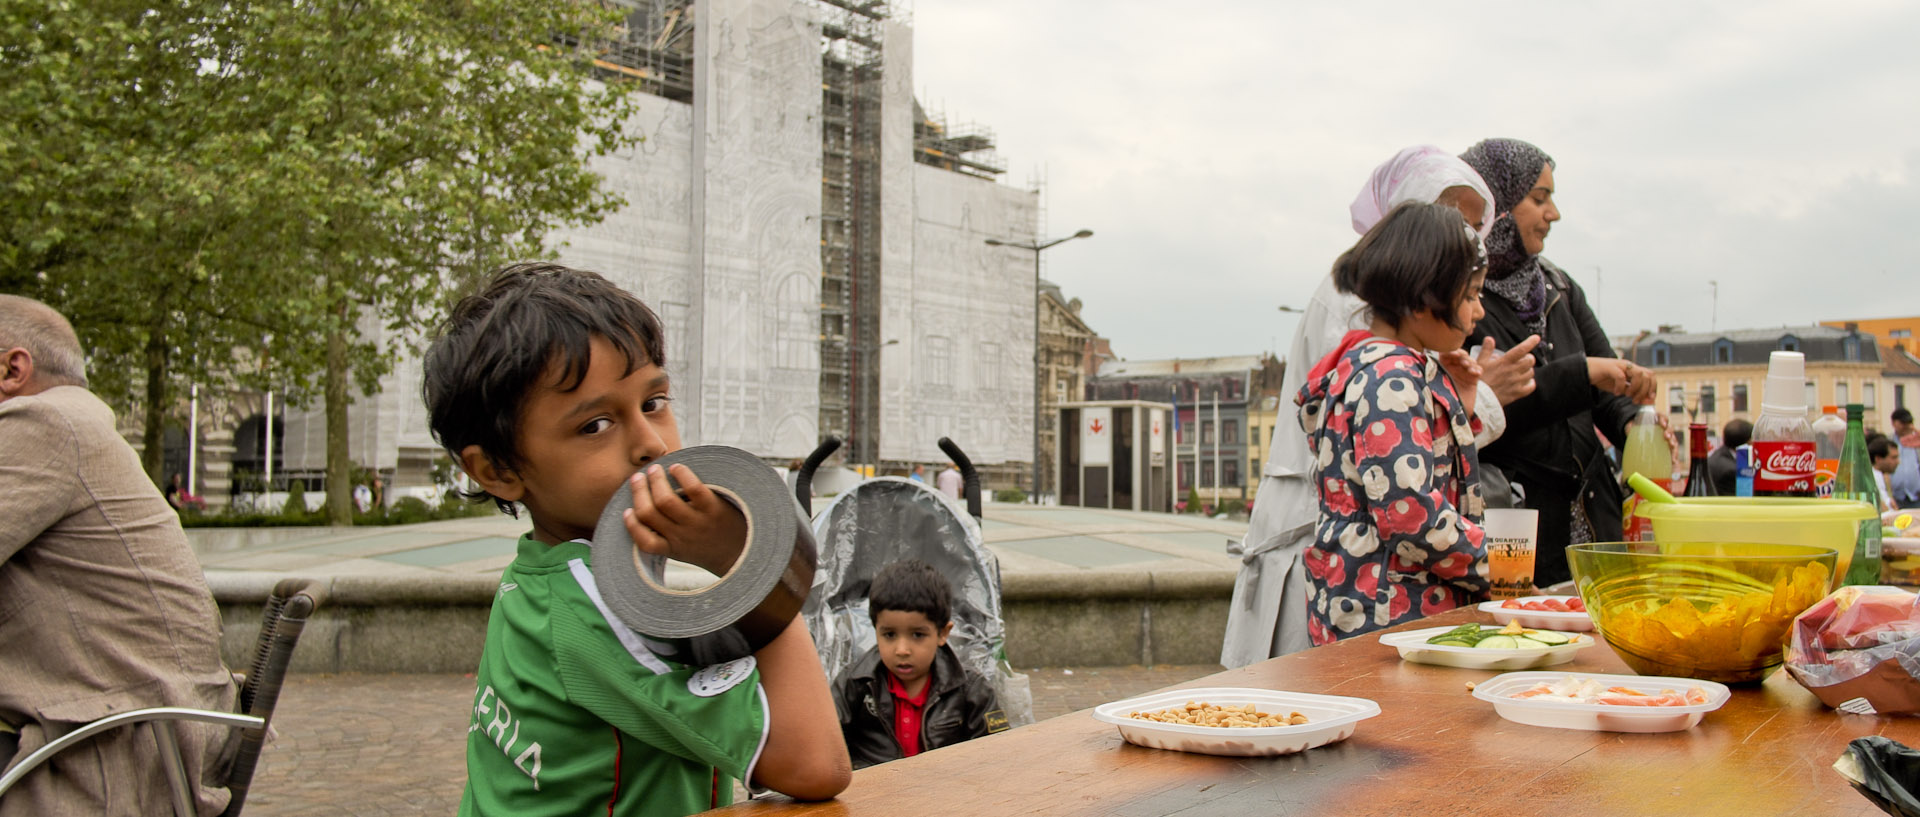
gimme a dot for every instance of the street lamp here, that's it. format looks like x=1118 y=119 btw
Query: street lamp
x=1037 y=248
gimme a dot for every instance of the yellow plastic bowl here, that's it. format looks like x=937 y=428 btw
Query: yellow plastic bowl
x=1719 y=611
x=1824 y=523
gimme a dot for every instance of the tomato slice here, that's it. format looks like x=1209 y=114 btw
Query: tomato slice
x=1554 y=605
x=1510 y=604
x=1576 y=604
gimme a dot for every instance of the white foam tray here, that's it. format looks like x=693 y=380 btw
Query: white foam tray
x=1599 y=717
x=1413 y=647
x=1539 y=619
x=1330 y=718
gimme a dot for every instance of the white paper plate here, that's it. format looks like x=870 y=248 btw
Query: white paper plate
x=1599 y=717
x=1539 y=619
x=1413 y=647
x=1330 y=718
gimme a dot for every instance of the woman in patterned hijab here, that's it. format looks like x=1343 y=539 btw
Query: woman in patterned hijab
x=1557 y=462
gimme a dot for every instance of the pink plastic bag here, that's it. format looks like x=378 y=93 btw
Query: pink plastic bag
x=1860 y=642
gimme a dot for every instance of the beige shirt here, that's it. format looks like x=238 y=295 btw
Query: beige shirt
x=103 y=609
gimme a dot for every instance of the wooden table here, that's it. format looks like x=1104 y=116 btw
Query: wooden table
x=1433 y=750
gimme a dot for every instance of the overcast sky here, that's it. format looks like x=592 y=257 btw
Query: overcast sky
x=1214 y=147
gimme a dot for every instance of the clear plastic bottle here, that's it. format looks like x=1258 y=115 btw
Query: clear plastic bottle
x=1783 y=449
x=1645 y=454
x=1829 y=436
x=1855 y=481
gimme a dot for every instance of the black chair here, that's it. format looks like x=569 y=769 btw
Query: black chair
x=287 y=610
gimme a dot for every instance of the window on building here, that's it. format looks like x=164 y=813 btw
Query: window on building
x=1676 y=399
x=1813 y=395
x=1186 y=432
x=1789 y=343
x=1186 y=475
x=1231 y=473
x=1852 y=345
x=1866 y=395
x=1229 y=432
x=1206 y=432
x=987 y=367
x=1662 y=354
x=1206 y=474
x=1254 y=469
x=1840 y=390
x=1899 y=395
x=1253 y=435
x=1739 y=397
x=1900 y=333
x=1707 y=399
x=937 y=359
x=1723 y=351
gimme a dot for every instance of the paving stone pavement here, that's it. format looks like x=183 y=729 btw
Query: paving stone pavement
x=377 y=745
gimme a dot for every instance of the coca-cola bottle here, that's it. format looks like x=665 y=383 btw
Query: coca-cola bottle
x=1783 y=450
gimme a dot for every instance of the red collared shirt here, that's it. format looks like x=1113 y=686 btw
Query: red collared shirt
x=906 y=714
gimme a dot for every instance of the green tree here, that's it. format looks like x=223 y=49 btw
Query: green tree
x=306 y=181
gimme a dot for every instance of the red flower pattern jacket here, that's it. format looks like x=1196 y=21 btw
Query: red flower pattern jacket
x=1399 y=535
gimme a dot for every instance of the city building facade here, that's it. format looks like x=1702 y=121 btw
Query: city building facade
x=813 y=240
x=1718 y=376
x=1216 y=402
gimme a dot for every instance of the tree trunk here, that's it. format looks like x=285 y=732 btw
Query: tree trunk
x=153 y=442
x=339 y=493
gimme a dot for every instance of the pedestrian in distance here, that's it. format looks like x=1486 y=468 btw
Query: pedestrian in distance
x=550 y=389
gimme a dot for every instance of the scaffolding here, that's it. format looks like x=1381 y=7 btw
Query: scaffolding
x=652 y=45
x=851 y=72
x=964 y=148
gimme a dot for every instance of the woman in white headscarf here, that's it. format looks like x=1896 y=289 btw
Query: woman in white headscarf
x=1268 y=615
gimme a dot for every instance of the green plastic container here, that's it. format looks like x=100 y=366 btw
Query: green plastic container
x=1827 y=523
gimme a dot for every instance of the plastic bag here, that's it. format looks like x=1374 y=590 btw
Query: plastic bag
x=1884 y=771
x=1860 y=642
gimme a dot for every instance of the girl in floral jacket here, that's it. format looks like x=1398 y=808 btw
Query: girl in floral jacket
x=1389 y=417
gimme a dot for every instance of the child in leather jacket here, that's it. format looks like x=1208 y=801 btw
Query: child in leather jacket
x=909 y=693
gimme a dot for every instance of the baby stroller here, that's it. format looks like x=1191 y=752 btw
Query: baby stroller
x=888 y=519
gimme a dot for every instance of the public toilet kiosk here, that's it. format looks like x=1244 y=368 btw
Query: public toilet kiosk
x=1121 y=458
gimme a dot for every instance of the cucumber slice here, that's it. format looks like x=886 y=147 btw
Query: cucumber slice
x=1525 y=643
x=1498 y=642
x=1548 y=637
x=1468 y=633
x=1449 y=642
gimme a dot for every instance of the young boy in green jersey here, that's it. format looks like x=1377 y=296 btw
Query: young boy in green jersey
x=549 y=388
x=910 y=693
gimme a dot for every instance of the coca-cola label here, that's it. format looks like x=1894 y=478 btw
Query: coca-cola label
x=1783 y=467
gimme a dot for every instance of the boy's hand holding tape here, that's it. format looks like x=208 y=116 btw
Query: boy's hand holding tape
x=692 y=525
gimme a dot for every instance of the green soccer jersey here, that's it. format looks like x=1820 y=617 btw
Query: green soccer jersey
x=573 y=715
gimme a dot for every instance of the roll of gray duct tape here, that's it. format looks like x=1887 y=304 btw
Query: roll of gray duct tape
x=742 y=611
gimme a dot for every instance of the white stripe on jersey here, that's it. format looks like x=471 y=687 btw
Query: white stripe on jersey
x=628 y=638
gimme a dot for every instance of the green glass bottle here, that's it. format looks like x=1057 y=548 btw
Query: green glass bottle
x=1855 y=481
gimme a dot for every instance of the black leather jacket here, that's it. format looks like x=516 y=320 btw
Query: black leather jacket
x=1549 y=447
x=959 y=707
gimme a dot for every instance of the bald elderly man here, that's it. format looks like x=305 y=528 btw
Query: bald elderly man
x=103 y=607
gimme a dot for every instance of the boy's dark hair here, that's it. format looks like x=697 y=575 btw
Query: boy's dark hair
x=1879 y=447
x=1736 y=433
x=911 y=586
x=495 y=345
x=1421 y=256
x=1902 y=415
